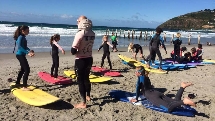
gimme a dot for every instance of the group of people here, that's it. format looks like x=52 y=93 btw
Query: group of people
x=82 y=49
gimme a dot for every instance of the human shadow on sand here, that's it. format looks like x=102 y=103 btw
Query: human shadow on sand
x=60 y=105
x=204 y=103
x=54 y=87
x=106 y=99
x=5 y=91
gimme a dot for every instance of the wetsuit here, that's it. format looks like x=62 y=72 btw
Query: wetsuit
x=154 y=43
x=114 y=41
x=157 y=98
x=55 y=59
x=82 y=49
x=21 y=56
x=177 y=42
x=199 y=53
x=105 y=54
x=138 y=48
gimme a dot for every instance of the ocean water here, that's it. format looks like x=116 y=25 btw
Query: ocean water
x=40 y=33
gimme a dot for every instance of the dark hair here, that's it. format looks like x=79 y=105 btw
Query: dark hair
x=141 y=68
x=159 y=30
x=183 y=49
x=193 y=49
x=54 y=37
x=19 y=31
x=199 y=45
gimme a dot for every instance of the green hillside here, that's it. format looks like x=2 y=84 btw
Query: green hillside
x=204 y=19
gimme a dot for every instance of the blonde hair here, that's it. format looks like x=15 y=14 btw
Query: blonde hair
x=178 y=35
x=131 y=45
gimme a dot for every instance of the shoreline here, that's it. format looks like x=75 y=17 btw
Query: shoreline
x=68 y=53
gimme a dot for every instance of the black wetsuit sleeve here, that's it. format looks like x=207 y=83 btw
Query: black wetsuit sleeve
x=139 y=86
x=100 y=47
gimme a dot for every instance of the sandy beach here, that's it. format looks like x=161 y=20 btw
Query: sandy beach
x=104 y=108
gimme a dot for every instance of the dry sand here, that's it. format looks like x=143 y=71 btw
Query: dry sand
x=104 y=108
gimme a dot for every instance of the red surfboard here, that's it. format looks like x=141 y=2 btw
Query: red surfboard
x=106 y=72
x=47 y=77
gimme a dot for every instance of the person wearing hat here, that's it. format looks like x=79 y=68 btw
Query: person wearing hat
x=177 y=42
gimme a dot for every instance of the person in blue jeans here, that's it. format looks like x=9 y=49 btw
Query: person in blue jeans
x=157 y=98
x=23 y=50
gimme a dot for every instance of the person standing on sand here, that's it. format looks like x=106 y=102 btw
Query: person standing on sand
x=114 y=42
x=189 y=39
x=19 y=35
x=154 y=46
x=199 y=39
x=82 y=49
x=55 y=57
x=105 y=45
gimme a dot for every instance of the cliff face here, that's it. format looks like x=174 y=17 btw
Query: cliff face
x=204 y=19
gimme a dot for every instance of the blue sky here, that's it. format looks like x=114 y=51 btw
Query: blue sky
x=120 y=13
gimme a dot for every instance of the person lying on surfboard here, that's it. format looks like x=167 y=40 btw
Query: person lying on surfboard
x=106 y=52
x=157 y=98
x=55 y=57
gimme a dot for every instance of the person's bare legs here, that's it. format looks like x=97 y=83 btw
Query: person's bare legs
x=135 y=56
x=88 y=98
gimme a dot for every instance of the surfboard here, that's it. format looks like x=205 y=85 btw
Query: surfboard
x=127 y=96
x=35 y=97
x=105 y=72
x=138 y=63
x=93 y=78
x=47 y=77
x=208 y=60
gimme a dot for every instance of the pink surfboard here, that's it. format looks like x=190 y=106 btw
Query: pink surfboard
x=106 y=72
x=47 y=77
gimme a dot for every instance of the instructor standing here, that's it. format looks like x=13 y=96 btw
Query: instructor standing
x=82 y=49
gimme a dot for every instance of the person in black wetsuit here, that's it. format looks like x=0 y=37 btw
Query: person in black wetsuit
x=154 y=43
x=105 y=45
x=177 y=42
x=157 y=98
x=55 y=57
x=137 y=48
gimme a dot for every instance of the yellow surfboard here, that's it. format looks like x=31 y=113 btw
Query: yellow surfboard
x=208 y=60
x=93 y=78
x=137 y=63
x=35 y=97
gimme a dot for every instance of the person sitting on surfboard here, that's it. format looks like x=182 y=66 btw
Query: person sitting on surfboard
x=55 y=57
x=137 y=48
x=82 y=49
x=194 y=54
x=19 y=35
x=157 y=98
x=106 y=52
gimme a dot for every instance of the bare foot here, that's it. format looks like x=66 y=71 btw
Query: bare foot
x=187 y=101
x=88 y=98
x=133 y=100
x=26 y=89
x=80 y=105
x=147 y=66
x=185 y=84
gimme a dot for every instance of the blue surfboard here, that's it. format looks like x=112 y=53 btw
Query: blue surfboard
x=127 y=96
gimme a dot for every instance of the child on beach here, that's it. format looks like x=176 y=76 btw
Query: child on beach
x=20 y=37
x=114 y=42
x=55 y=57
x=200 y=52
x=137 y=48
x=177 y=42
x=157 y=98
x=194 y=54
x=106 y=52
x=181 y=53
